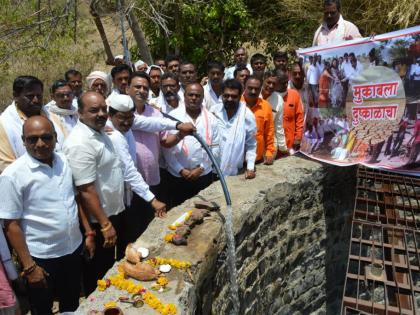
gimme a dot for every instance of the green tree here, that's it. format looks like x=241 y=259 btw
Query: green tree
x=197 y=30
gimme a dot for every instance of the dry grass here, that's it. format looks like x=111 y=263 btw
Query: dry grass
x=50 y=65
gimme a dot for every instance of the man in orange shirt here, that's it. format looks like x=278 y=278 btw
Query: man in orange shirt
x=264 y=118
x=293 y=113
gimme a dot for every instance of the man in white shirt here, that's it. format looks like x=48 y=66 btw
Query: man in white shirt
x=313 y=76
x=189 y=166
x=27 y=101
x=99 y=178
x=297 y=82
x=320 y=64
x=187 y=74
x=120 y=75
x=276 y=101
x=258 y=64
x=237 y=129
x=61 y=108
x=41 y=219
x=334 y=28
x=241 y=74
x=415 y=75
x=213 y=88
x=168 y=98
x=241 y=58
x=121 y=116
x=155 y=73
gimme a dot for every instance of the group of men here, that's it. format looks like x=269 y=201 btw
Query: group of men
x=86 y=173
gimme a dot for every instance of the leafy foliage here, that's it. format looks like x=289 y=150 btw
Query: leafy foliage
x=197 y=30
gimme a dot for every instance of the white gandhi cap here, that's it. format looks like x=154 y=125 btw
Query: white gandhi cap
x=121 y=103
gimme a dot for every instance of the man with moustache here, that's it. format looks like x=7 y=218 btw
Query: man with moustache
x=41 y=219
x=297 y=82
x=241 y=59
x=334 y=28
x=258 y=64
x=169 y=98
x=213 y=88
x=187 y=74
x=293 y=114
x=61 y=109
x=264 y=118
x=27 y=102
x=189 y=167
x=172 y=63
x=280 y=60
x=121 y=116
x=241 y=74
x=276 y=101
x=99 y=178
x=155 y=73
x=120 y=75
x=148 y=142
x=237 y=129
x=74 y=78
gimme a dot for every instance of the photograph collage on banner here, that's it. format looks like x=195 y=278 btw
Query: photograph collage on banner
x=362 y=102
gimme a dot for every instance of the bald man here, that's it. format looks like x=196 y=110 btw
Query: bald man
x=98 y=176
x=189 y=166
x=41 y=219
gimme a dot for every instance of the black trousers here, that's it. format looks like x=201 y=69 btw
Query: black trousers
x=181 y=189
x=104 y=258
x=63 y=282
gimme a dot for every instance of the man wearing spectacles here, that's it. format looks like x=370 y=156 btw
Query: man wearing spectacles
x=27 y=102
x=43 y=227
x=62 y=109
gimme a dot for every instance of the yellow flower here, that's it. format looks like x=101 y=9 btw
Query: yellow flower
x=110 y=304
x=168 y=237
x=162 y=281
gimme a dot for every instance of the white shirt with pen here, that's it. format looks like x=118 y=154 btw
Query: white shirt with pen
x=188 y=153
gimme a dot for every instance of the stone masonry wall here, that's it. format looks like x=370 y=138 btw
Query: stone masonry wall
x=291 y=229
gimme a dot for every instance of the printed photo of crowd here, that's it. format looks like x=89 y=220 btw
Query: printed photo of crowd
x=330 y=133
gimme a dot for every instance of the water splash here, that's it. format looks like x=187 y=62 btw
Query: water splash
x=231 y=261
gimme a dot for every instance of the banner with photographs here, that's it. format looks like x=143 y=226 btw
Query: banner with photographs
x=362 y=102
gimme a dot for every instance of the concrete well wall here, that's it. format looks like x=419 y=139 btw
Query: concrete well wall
x=292 y=227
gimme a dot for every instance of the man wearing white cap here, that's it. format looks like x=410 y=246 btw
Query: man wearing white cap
x=121 y=116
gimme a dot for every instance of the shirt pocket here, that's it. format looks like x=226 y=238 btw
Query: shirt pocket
x=289 y=112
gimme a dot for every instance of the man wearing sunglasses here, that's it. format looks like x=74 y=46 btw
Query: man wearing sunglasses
x=27 y=102
x=41 y=219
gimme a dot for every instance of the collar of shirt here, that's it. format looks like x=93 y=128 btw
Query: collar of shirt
x=87 y=130
x=34 y=163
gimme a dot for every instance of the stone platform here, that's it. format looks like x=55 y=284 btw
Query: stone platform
x=291 y=229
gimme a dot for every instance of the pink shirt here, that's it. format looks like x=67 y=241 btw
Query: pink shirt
x=7 y=298
x=148 y=149
x=342 y=31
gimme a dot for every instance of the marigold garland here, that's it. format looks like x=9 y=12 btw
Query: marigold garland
x=118 y=280
x=168 y=237
x=157 y=261
x=110 y=304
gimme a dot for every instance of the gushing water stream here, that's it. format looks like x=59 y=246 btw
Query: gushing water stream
x=230 y=236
